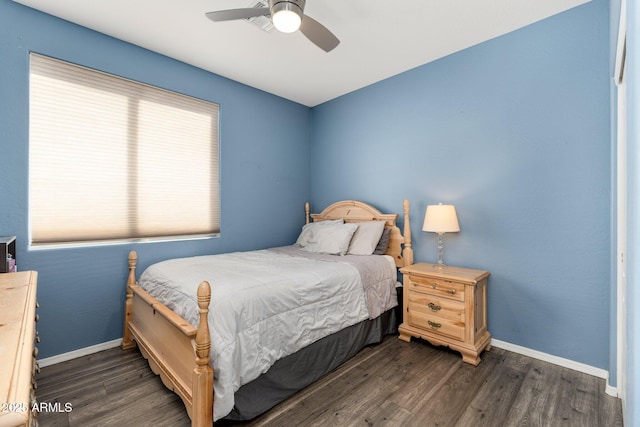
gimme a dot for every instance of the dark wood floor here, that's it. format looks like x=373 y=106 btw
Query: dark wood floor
x=390 y=384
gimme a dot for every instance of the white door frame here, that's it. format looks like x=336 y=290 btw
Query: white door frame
x=621 y=208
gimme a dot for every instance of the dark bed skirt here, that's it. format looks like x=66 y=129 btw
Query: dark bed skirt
x=298 y=370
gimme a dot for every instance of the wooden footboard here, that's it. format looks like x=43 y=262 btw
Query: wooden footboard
x=175 y=349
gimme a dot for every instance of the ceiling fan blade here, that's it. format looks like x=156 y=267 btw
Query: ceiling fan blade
x=231 y=14
x=318 y=34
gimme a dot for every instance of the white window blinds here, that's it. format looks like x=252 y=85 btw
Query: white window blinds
x=114 y=159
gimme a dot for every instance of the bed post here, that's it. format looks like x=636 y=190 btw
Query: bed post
x=127 y=342
x=407 y=252
x=306 y=212
x=202 y=377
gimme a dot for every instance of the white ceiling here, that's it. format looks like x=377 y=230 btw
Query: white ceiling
x=378 y=38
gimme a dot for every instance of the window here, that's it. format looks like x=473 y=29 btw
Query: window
x=113 y=159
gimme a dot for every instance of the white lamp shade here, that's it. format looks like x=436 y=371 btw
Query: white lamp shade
x=441 y=219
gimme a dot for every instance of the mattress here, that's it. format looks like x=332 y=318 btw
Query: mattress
x=268 y=304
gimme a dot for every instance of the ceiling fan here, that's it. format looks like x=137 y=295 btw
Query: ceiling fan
x=287 y=16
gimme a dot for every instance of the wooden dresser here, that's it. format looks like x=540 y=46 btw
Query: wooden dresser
x=446 y=306
x=17 y=348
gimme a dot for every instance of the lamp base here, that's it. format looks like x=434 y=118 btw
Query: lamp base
x=440 y=265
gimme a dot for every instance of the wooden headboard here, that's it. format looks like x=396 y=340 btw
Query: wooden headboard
x=354 y=211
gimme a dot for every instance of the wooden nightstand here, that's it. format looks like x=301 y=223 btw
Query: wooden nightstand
x=446 y=307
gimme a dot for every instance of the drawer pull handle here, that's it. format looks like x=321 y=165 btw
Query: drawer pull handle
x=434 y=325
x=450 y=291
x=434 y=307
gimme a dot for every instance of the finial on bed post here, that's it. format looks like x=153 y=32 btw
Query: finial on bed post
x=306 y=212
x=127 y=342
x=407 y=252
x=133 y=260
x=202 y=373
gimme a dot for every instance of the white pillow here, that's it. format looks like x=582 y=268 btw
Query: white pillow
x=330 y=239
x=307 y=230
x=366 y=238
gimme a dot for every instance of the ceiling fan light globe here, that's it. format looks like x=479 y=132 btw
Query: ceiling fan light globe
x=286 y=17
x=286 y=21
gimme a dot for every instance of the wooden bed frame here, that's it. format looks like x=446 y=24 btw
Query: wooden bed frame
x=179 y=352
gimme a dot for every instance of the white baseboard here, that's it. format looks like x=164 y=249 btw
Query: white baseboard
x=611 y=390
x=560 y=361
x=47 y=361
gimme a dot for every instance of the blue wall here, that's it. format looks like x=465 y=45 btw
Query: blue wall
x=515 y=133
x=264 y=173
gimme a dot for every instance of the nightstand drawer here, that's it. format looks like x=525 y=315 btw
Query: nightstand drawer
x=436 y=324
x=434 y=306
x=437 y=287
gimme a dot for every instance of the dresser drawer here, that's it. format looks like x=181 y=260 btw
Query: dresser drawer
x=437 y=287
x=436 y=324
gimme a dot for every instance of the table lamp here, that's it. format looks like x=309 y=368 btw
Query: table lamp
x=441 y=219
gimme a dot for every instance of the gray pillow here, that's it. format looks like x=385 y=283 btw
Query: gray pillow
x=383 y=243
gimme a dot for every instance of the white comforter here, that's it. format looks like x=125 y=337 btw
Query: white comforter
x=271 y=303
